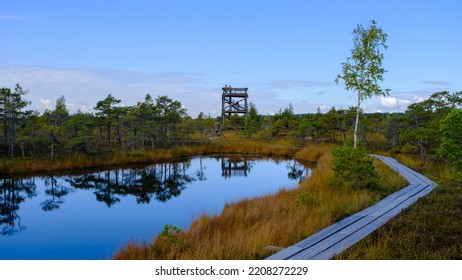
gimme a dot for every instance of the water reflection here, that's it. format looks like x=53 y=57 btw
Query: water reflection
x=236 y=167
x=160 y=182
x=13 y=192
x=297 y=171
x=56 y=190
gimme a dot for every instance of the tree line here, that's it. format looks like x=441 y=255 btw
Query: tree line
x=162 y=122
x=154 y=122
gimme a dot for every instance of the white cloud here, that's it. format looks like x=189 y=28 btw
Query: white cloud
x=82 y=88
x=324 y=108
x=78 y=107
x=388 y=104
x=419 y=98
x=45 y=102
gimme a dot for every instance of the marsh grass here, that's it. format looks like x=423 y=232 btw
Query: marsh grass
x=75 y=162
x=389 y=180
x=245 y=229
x=430 y=229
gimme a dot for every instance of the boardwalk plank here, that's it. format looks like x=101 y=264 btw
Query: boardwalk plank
x=349 y=241
x=350 y=230
x=338 y=237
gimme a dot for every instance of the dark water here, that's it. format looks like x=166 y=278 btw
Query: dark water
x=91 y=215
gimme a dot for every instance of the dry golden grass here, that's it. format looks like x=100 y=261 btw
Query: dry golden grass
x=245 y=229
x=229 y=145
x=389 y=180
x=313 y=152
x=411 y=161
x=428 y=230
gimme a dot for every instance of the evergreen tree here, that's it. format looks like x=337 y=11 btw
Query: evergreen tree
x=11 y=112
x=106 y=113
x=252 y=122
x=170 y=114
x=451 y=141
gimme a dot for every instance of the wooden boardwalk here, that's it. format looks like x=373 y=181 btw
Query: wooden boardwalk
x=340 y=236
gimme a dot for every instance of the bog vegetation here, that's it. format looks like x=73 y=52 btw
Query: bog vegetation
x=425 y=137
x=250 y=229
x=428 y=130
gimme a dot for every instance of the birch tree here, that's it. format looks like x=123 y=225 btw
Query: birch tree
x=363 y=70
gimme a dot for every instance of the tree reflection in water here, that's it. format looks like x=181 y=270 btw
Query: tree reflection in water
x=12 y=193
x=162 y=181
x=297 y=171
x=56 y=190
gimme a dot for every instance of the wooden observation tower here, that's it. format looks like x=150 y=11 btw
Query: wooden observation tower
x=234 y=101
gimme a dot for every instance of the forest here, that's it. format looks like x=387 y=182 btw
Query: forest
x=428 y=130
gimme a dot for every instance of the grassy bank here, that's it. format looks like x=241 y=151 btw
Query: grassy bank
x=229 y=145
x=430 y=229
x=245 y=230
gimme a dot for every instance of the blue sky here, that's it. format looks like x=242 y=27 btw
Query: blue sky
x=287 y=51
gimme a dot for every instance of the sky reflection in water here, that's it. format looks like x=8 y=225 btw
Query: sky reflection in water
x=91 y=215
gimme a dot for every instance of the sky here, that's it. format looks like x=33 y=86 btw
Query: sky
x=285 y=52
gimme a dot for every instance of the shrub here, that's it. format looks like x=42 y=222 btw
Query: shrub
x=171 y=235
x=307 y=199
x=353 y=168
x=451 y=140
x=169 y=243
